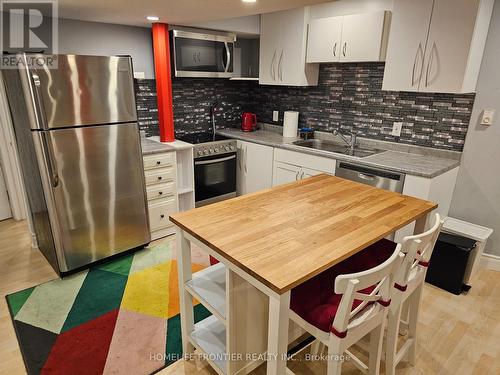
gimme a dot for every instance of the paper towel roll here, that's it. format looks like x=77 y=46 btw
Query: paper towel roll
x=290 y=124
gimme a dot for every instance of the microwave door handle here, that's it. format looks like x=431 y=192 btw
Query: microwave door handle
x=228 y=57
x=224 y=56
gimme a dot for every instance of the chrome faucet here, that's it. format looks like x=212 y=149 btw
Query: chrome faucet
x=352 y=142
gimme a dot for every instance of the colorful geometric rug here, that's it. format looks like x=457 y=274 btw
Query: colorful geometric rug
x=120 y=317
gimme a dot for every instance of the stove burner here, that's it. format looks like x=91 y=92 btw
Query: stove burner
x=196 y=138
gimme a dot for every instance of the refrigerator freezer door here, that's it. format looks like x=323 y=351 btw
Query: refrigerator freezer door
x=84 y=90
x=98 y=192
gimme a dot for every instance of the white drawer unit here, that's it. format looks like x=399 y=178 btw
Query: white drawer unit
x=160 y=173
x=159 y=176
x=159 y=160
x=159 y=213
x=158 y=191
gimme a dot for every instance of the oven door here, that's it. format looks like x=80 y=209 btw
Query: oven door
x=214 y=178
x=202 y=55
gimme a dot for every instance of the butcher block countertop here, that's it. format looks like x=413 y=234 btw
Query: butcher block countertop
x=286 y=235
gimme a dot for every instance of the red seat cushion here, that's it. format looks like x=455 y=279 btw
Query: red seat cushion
x=315 y=301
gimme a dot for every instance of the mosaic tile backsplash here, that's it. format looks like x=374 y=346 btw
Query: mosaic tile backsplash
x=348 y=96
x=192 y=99
x=147 y=107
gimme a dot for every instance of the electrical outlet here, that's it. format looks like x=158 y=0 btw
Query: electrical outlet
x=276 y=116
x=396 y=129
x=487 y=116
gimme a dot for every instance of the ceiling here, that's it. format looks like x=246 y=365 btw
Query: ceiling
x=133 y=12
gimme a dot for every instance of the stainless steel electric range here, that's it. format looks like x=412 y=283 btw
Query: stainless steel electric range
x=214 y=167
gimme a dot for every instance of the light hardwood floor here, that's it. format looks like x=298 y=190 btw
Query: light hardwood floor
x=457 y=334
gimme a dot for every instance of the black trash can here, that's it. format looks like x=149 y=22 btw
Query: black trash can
x=449 y=261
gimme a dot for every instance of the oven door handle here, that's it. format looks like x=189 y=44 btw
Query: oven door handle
x=203 y=162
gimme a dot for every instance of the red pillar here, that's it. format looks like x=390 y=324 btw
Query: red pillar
x=161 y=50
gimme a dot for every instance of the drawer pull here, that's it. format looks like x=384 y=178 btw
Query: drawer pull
x=162 y=216
x=160 y=192
x=158 y=162
x=160 y=178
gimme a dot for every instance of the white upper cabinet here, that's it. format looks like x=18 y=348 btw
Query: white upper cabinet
x=436 y=45
x=283 y=41
x=269 y=41
x=364 y=37
x=324 y=40
x=405 y=56
x=353 y=38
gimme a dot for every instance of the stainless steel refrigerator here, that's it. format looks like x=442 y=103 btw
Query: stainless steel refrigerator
x=80 y=154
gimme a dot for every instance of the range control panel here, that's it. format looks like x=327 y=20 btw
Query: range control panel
x=214 y=148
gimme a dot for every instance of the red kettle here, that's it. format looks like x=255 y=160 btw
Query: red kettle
x=248 y=122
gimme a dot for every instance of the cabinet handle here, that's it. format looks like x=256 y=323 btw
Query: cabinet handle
x=429 y=64
x=344 y=49
x=280 y=69
x=160 y=178
x=246 y=154
x=162 y=216
x=160 y=193
x=415 y=64
x=158 y=162
x=272 y=66
x=335 y=50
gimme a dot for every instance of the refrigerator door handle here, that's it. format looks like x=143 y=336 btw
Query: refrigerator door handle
x=51 y=163
x=37 y=102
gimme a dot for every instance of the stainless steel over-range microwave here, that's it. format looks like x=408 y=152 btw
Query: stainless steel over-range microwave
x=202 y=54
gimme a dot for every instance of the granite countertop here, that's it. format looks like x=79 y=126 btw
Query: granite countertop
x=413 y=160
x=150 y=147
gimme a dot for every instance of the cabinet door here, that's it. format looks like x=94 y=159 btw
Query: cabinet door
x=307 y=172
x=270 y=33
x=292 y=67
x=407 y=42
x=257 y=166
x=285 y=173
x=448 y=45
x=291 y=57
x=362 y=37
x=240 y=170
x=324 y=40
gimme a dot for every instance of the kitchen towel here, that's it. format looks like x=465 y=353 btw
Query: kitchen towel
x=290 y=124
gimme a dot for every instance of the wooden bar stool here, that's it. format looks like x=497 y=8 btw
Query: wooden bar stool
x=357 y=306
x=408 y=286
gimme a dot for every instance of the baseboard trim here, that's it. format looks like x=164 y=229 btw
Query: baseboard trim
x=491 y=262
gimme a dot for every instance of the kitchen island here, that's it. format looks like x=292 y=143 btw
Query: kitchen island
x=275 y=240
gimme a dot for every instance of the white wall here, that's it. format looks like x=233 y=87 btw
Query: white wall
x=243 y=26
x=477 y=193
x=92 y=38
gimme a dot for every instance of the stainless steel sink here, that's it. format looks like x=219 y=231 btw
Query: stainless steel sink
x=319 y=144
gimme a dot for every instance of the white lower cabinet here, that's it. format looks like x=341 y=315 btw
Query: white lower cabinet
x=290 y=166
x=438 y=189
x=308 y=172
x=285 y=173
x=254 y=169
x=161 y=190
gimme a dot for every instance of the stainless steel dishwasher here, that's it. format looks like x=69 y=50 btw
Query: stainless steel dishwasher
x=377 y=177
